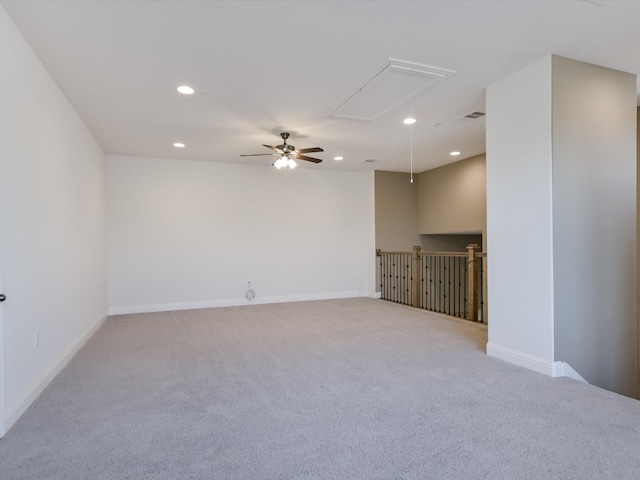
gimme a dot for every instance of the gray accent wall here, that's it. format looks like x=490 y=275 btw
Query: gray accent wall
x=452 y=198
x=449 y=242
x=396 y=212
x=594 y=222
x=442 y=210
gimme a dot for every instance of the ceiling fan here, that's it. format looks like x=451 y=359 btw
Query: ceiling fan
x=288 y=154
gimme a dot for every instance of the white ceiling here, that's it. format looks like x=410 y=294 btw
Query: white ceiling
x=273 y=66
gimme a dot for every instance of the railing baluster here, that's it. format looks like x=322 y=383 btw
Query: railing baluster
x=401 y=276
x=395 y=278
x=460 y=288
x=449 y=285
x=440 y=284
x=386 y=280
x=407 y=282
x=389 y=281
x=460 y=277
x=464 y=286
x=455 y=284
x=402 y=279
x=432 y=283
x=400 y=268
x=472 y=278
x=436 y=276
x=422 y=277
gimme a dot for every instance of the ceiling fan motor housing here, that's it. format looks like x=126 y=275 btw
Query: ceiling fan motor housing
x=286 y=148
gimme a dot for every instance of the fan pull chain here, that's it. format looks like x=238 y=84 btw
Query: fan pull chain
x=411 y=128
x=411 y=142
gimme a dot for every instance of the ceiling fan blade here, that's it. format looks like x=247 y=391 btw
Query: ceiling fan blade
x=308 y=159
x=258 y=154
x=277 y=150
x=310 y=150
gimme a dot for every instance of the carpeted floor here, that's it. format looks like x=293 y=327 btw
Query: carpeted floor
x=340 y=389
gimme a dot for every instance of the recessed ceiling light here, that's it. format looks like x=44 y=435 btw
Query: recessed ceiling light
x=337 y=158
x=186 y=90
x=454 y=154
x=179 y=145
x=409 y=121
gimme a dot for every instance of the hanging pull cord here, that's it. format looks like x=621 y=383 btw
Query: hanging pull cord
x=411 y=142
x=411 y=129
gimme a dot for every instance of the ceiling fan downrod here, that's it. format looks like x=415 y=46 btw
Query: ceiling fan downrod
x=286 y=149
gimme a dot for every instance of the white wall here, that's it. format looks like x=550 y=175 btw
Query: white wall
x=52 y=233
x=519 y=214
x=185 y=234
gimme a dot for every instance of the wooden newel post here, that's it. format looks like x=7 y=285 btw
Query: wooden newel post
x=472 y=282
x=415 y=277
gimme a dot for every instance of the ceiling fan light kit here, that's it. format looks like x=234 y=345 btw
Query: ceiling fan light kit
x=285 y=162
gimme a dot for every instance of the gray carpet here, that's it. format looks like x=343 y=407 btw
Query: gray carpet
x=340 y=389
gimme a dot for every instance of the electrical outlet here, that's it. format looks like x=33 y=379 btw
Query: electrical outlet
x=36 y=339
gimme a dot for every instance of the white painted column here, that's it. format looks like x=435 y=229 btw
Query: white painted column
x=519 y=218
x=561 y=221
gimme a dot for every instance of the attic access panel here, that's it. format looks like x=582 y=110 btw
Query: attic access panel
x=389 y=88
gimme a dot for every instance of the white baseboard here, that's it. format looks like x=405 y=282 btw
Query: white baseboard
x=531 y=362
x=25 y=402
x=234 y=302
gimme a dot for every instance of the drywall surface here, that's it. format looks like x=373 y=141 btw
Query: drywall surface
x=519 y=213
x=594 y=226
x=449 y=243
x=452 y=198
x=188 y=234
x=396 y=210
x=52 y=233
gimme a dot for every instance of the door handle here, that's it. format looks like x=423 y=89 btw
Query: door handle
x=2 y=297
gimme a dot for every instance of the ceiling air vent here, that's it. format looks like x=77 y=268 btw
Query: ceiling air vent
x=390 y=87
x=475 y=115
